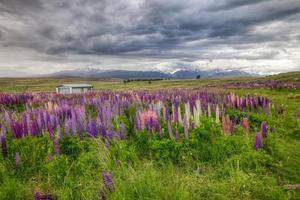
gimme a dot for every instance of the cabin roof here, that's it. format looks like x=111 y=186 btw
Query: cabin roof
x=75 y=85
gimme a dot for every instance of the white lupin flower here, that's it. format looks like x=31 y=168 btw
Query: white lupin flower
x=208 y=110
x=179 y=116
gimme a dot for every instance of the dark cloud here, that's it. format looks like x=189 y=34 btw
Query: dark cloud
x=158 y=29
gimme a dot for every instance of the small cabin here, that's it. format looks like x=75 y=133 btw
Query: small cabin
x=74 y=88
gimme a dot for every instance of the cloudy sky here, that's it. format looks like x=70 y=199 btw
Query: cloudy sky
x=41 y=37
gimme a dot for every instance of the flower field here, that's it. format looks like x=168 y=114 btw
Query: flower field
x=143 y=144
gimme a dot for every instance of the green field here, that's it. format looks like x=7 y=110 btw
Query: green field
x=48 y=84
x=146 y=168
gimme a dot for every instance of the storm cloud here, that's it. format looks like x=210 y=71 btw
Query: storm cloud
x=40 y=37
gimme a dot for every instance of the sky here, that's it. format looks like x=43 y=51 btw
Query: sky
x=43 y=37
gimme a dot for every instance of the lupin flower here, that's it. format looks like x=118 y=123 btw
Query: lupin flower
x=170 y=130
x=67 y=127
x=186 y=127
x=196 y=116
x=245 y=125
x=227 y=125
x=258 y=141
x=208 y=110
x=179 y=116
x=34 y=130
x=217 y=114
x=149 y=120
x=108 y=181
x=264 y=129
x=37 y=196
x=187 y=113
x=50 y=129
x=101 y=195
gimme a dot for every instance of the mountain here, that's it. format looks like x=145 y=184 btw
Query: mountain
x=212 y=73
x=125 y=74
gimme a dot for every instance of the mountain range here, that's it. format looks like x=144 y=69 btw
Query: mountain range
x=126 y=74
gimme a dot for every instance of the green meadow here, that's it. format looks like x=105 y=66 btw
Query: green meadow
x=210 y=165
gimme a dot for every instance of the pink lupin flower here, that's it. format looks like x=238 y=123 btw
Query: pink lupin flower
x=245 y=125
x=227 y=125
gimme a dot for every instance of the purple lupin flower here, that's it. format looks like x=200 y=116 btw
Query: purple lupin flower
x=37 y=196
x=50 y=129
x=73 y=122
x=56 y=146
x=3 y=131
x=18 y=159
x=108 y=181
x=3 y=146
x=92 y=128
x=258 y=141
x=34 y=130
x=264 y=129
x=101 y=195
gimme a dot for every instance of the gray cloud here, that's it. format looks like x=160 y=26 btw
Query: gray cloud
x=83 y=32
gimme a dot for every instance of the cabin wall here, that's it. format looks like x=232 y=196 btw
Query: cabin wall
x=63 y=90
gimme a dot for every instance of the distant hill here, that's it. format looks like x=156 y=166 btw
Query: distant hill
x=126 y=74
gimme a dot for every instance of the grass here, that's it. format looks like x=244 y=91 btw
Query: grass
x=208 y=166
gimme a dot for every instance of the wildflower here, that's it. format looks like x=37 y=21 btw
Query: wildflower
x=170 y=130
x=92 y=128
x=227 y=125
x=258 y=142
x=196 y=117
x=217 y=114
x=187 y=112
x=208 y=110
x=101 y=195
x=108 y=181
x=186 y=127
x=37 y=196
x=245 y=125
x=149 y=120
x=17 y=129
x=264 y=129
x=34 y=130
x=179 y=116
x=50 y=130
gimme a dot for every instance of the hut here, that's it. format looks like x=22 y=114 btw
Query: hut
x=74 y=88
